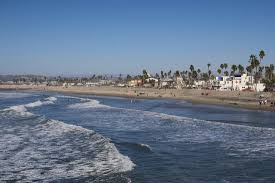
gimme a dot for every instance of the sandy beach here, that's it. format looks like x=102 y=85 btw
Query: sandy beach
x=248 y=100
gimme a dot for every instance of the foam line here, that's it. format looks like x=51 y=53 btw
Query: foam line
x=55 y=150
x=22 y=109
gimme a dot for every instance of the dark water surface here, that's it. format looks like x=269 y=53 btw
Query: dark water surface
x=51 y=137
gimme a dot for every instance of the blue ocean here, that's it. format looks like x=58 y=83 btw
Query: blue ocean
x=55 y=137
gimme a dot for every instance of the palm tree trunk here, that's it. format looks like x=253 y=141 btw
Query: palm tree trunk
x=256 y=77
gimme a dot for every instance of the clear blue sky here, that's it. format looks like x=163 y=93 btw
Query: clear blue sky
x=124 y=36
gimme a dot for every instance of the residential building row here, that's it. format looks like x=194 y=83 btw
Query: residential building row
x=238 y=82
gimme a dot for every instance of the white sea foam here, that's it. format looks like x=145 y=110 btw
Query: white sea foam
x=72 y=97
x=94 y=103
x=86 y=103
x=22 y=109
x=145 y=145
x=52 y=150
x=90 y=104
x=244 y=139
x=174 y=118
x=229 y=135
x=38 y=103
x=51 y=98
x=19 y=109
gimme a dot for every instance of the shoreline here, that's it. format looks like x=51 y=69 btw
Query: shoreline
x=235 y=99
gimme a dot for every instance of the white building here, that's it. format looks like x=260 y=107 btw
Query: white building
x=239 y=82
x=151 y=81
x=166 y=83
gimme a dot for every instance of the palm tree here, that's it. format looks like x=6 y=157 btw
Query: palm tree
x=157 y=75
x=128 y=77
x=222 y=66
x=145 y=74
x=198 y=71
x=162 y=75
x=219 y=71
x=233 y=68
x=249 y=70
x=269 y=72
x=191 y=74
x=271 y=68
x=191 y=67
x=225 y=67
x=208 y=66
x=169 y=73
x=209 y=73
x=252 y=61
x=226 y=73
x=269 y=76
x=261 y=69
x=261 y=55
x=119 y=78
x=241 y=69
x=205 y=76
x=194 y=75
x=177 y=73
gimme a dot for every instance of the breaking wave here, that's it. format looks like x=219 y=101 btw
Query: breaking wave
x=22 y=109
x=86 y=105
x=34 y=148
x=137 y=146
x=49 y=150
x=250 y=140
x=204 y=131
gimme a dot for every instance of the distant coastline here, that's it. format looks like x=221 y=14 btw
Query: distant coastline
x=247 y=100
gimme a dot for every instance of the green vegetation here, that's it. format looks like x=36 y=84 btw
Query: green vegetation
x=255 y=68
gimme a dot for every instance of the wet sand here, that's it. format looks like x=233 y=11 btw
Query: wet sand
x=248 y=100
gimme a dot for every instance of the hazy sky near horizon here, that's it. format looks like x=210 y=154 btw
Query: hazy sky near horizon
x=68 y=37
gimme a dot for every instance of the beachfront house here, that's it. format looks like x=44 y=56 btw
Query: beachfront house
x=199 y=84
x=239 y=82
x=151 y=82
x=202 y=84
x=135 y=83
x=224 y=83
x=166 y=83
x=90 y=84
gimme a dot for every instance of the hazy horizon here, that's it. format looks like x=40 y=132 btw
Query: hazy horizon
x=112 y=37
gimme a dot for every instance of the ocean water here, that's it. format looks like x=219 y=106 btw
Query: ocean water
x=53 y=137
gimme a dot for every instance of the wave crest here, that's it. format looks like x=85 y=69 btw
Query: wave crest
x=86 y=105
x=50 y=150
x=22 y=109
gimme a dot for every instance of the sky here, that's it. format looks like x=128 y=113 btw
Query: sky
x=75 y=37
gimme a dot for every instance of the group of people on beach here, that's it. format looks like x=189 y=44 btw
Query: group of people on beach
x=264 y=102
